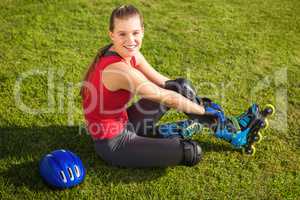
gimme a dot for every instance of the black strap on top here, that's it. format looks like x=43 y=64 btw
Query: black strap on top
x=111 y=53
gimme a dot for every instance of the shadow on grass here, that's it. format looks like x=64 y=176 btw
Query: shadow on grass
x=208 y=146
x=22 y=148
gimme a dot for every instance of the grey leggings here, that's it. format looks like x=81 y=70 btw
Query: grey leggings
x=139 y=145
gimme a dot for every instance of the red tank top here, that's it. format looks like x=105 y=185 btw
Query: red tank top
x=105 y=110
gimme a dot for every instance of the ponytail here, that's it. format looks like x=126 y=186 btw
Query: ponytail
x=92 y=67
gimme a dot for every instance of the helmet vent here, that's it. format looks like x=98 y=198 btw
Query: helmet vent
x=77 y=172
x=70 y=174
x=63 y=176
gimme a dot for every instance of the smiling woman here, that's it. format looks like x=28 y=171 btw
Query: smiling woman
x=123 y=135
x=127 y=35
x=119 y=71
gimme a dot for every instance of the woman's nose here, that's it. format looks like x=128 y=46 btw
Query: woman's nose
x=130 y=38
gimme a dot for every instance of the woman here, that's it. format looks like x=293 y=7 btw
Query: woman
x=127 y=137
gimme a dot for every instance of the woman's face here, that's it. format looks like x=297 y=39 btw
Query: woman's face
x=127 y=36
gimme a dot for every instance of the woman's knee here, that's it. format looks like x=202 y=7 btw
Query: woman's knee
x=182 y=86
x=192 y=152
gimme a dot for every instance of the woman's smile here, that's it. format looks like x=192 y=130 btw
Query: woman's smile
x=130 y=47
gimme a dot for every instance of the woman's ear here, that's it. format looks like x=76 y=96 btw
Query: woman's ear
x=111 y=35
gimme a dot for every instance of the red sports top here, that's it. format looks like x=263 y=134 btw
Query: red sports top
x=105 y=110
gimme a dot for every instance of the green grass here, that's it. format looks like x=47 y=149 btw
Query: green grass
x=228 y=48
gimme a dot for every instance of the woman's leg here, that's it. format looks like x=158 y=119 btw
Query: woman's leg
x=131 y=150
x=144 y=114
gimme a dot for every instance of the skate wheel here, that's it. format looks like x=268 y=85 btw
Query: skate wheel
x=258 y=137
x=250 y=150
x=265 y=124
x=269 y=110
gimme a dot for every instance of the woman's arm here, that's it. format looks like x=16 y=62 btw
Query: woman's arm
x=121 y=76
x=149 y=72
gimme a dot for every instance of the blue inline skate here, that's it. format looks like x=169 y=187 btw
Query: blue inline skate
x=242 y=131
x=250 y=123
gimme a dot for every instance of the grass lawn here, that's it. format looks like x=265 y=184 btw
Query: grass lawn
x=235 y=52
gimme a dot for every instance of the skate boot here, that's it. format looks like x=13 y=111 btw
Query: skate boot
x=250 y=123
x=184 y=129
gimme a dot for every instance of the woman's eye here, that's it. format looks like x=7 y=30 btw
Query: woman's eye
x=135 y=33
x=122 y=34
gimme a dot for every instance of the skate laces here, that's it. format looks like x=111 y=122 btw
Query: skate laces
x=245 y=118
x=232 y=124
x=191 y=129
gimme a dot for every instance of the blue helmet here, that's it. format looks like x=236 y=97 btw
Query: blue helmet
x=62 y=169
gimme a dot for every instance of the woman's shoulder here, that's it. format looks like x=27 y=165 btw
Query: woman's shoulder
x=139 y=58
x=109 y=57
